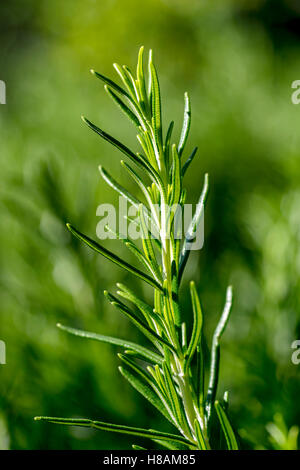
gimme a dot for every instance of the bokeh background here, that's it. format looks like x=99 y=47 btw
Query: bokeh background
x=237 y=59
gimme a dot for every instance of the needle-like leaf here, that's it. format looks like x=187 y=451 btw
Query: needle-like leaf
x=141 y=80
x=190 y=235
x=148 y=332
x=176 y=177
x=112 y=257
x=144 y=308
x=226 y=427
x=186 y=124
x=147 y=245
x=110 y=83
x=148 y=433
x=165 y=408
x=128 y=80
x=197 y=325
x=133 y=248
x=156 y=106
x=200 y=437
x=174 y=398
x=122 y=191
x=137 y=160
x=188 y=162
x=200 y=378
x=122 y=92
x=154 y=215
x=144 y=389
x=144 y=352
x=167 y=145
x=127 y=111
x=215 y=353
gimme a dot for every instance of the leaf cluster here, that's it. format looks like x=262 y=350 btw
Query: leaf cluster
x=173 y=379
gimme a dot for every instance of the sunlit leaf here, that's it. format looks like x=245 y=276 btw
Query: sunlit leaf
x=112 y=257
x=186 y=124
x=144 y=352
x=215 y=353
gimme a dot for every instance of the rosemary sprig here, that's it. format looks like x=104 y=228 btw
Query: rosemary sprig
x=170 y=382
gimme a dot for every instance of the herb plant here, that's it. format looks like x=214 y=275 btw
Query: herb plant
x=174 y=379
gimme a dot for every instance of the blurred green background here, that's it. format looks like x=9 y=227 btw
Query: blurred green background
x=237 y=59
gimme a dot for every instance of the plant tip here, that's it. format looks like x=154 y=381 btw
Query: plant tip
x=173 y=385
